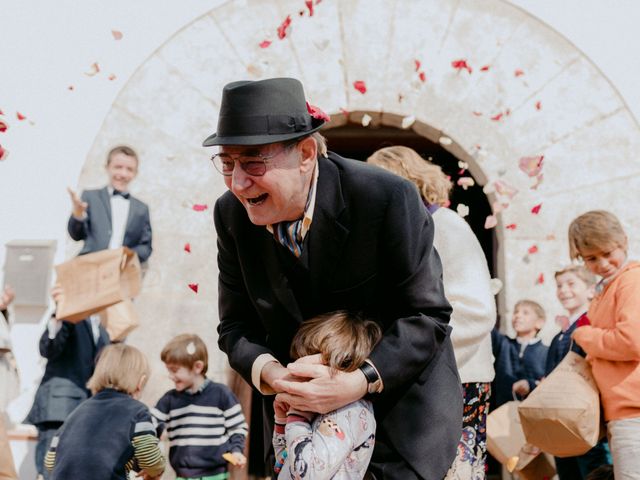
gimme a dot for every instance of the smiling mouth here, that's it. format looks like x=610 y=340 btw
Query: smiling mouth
x=257 y=200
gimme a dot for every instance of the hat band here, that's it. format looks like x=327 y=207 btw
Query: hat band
x=232 y=126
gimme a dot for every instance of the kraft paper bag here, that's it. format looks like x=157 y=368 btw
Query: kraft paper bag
x=119 y=320
x=505 y=437
x=533 y=464
x=95 y=281
x=562 y=415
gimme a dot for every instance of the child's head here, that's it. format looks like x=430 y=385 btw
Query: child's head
x=344 y=340
x=121 y=367
x=528 y=318
x=122 y=167
x=603 y=472
x=574 y=288
x=186 y=360
x=597 y=237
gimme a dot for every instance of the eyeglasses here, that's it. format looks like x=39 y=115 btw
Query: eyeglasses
x=254 y=164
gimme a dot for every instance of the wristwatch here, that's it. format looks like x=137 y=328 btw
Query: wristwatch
x=374 y=382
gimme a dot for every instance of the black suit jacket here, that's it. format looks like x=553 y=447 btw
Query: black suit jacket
x=369 y=250
x=96 y=228
x=71 y=356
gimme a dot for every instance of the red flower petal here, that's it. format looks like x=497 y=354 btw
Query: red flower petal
x=3 y=126
x=531 y=165
x=282 y=29
x=485 y=68
x=533 y=249
x=20 y=116
x=117 y=35
x=518 y=73
x=264 y=44
x=309 y=4
x=536 y=209
x=199 y=207
x=477 y=114
x=1 y=112
x=360 y=86
x=194 y=287
x=422 y=77
x=497 y=117
x=317 y=113
x=461 y=65
x=187 y=247
x=511 y=226
x=540 y=279
x=417 y=64
x=538 y=105
x=112 y=77
x=3 y=153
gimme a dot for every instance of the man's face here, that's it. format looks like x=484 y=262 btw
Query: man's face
x=121 y=169
x=281 y=193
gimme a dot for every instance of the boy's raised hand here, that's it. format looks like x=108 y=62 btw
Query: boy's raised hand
x=78 y=207
x=521 y=387
x=6 y=297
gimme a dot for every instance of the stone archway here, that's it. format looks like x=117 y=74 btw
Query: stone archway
x=498 y=82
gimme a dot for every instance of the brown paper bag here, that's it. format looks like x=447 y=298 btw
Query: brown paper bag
x=95 y=281
x=533 y=464
x=562 y=415
x=119 y=320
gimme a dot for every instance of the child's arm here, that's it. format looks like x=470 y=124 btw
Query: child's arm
x=50 y=457
x=236 y=426
x=147 y=455
x=621 y=343
x=279 y=442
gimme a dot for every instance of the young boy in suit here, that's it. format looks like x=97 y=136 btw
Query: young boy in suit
x=111 y=217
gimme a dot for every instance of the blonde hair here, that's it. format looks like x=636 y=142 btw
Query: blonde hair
x=125 y=150
x=433 y=184
x=595 y=230
x=535 y=306
x=185 y=350
x=120 y=367
x=344 y=340
x=322 y=143
x=579 y=271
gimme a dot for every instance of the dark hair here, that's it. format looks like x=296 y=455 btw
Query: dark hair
x=128 y=151
x=603 y=472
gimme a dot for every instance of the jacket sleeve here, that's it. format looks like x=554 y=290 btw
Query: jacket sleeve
x=144 y=248
x=416 y=313
x=79 y=229
x=51 y=348
x=621 y=343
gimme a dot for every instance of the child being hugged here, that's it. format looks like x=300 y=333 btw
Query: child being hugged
x=203 y=419
x=112 y=433
x=612 y=340
x=338 y=444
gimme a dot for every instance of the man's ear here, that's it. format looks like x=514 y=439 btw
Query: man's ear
x=308 y=153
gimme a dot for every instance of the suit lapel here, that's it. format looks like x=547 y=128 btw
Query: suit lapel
x=106 y=201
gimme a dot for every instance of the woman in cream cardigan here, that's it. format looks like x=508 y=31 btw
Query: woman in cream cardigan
x=467 y=287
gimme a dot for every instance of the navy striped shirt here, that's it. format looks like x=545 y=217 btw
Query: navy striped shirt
x=201 y=427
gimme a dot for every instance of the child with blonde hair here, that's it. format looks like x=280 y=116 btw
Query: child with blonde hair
x=203 y=418
x=112 y=433
x=338 y=444
x=611 y=340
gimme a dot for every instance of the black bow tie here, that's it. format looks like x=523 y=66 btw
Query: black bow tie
x=124 y=195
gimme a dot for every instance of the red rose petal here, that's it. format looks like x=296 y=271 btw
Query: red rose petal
x=511 y=226
x=461 y=65
x=117 y=35
x=422 y=77
x=536 y=209
x=317 y=113
x=282 y=29
x=531 y=165
x=3 y=126
x=187 y=247
x=533 y=249
x=538 y=105
x=417 y=64
x=360 y=86
x=485 y=68
x=264 y=43
x=194 y=287
x=3 y=153
x=20 y=116
x=518 y=73
x=112 y=77
x=540 y=279
x=309 y=4
x=497 y=117
x=199 y=207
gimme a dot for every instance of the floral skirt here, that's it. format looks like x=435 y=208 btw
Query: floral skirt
x=470 y=461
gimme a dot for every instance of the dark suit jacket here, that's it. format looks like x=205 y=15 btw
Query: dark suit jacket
x=369 y=250
x=95 y=229
x=71 y=359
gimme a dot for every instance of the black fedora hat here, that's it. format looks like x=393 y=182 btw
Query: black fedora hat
x=262 y=112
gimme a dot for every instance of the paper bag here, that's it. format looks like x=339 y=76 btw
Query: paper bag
x=562 y=415
x=119 y=320
x=505 y=437
x=533 y=464
x=95 y=281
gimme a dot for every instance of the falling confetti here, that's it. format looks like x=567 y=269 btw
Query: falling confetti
x=477 y=114
x=538 y=181
x=117 y=35
x=538 y=105
x=317 y=113
x=462 y=210
x=408 y=121
x=417 y=64
x=461 y=65
x=503 y=188
x=93 y=70
x=533 y=249
x=360 y=86
x=309 y=4
x=422 y=76
x=536 y=209
x=112 y=77
x=187 y=247
x=194 y=287
x=540 y=279
x=366 y=120
x=282 y=29
x=518 y=73
x=71 y=88
x=485 y=68
x=198 y=207
x=511 y=226
x=466 y=182
x=3 y=126
x=264 y=43
x=499 y=206
x=490 y=222
x=4 y=153
x=20 y=116
x=532 y=166
x=497 y=117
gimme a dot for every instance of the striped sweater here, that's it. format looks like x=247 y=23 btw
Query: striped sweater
x=201 y=427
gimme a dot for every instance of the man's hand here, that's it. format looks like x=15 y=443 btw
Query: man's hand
x=78 y=207
x=322 y=392
x=521 y=387
x=7 y=297
x=274 y=371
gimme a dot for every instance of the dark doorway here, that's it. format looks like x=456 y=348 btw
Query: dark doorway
x=354 y=141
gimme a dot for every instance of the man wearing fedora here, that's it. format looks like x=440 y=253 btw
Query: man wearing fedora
x=302 y=232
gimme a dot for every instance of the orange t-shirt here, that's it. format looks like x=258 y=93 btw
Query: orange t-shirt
x=612 y=343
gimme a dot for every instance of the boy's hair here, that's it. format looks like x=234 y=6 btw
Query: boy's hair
x=595 y=230
x=119 y=367
x=603 y=472
x=343 y=339
x=433 y=184
x=128 y=151
x=535 y=306
x=185 y=350
x=579 y=271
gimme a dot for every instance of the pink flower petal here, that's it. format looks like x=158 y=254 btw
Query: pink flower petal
x=93 y=70
x=536 y=209
x=540 y=279
x=422 y=76
x=3 y=126
x=199 y=207
x=20 y=116
x=4 y=153
x=417 y=65
x=187 y=247
x=309 y=4
x=511 y=226
x=264 y=43
x=532 y=166
x=282 y=29
x=485 y=68
x=461 y=65
x=360 y=86
x=317 y=113
x=538 y=105
x=117 y=35
x=518 y=73
x=533 y=249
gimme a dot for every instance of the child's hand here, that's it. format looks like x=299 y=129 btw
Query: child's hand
x=78 y=207
x=281 y=408
x=6 y=297
x=521 y=387
x=237 y=459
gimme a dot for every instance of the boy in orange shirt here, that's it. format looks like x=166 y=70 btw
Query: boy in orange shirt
x=612 y=340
